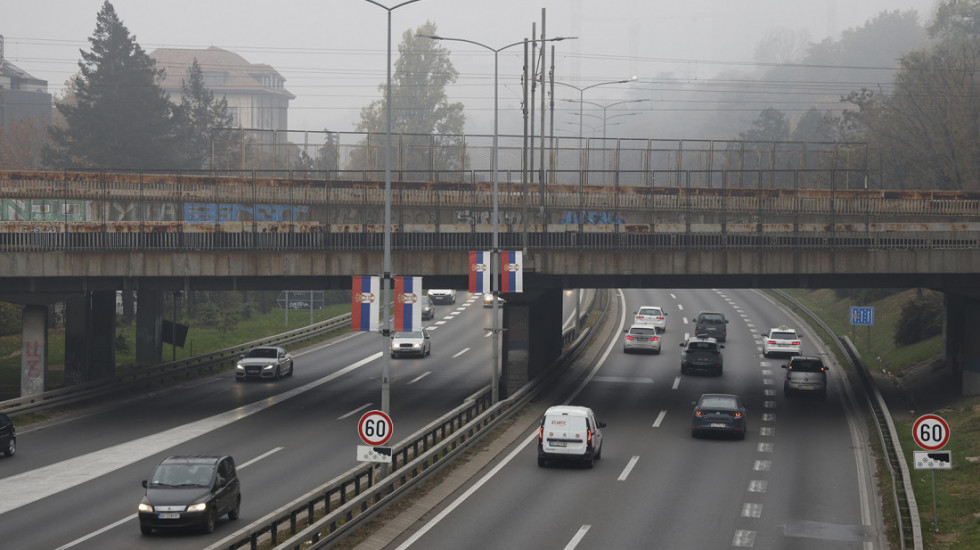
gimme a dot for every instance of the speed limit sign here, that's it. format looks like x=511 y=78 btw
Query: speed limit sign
x=375 y=427
x=930 y=432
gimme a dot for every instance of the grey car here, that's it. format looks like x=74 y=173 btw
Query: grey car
x=711 y=324
x=641 y=338
x=805 y=374
x=266 y=362
x=416 y=342
x=718 y=413
x=702 y=354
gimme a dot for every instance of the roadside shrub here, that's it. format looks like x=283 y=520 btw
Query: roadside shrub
x=921 y=318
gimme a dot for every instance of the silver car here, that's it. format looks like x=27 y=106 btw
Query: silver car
x=415 y=343
x=651 y=315
x=641 y=338
x=805 y=374
x=782 y=341
x=267 y=362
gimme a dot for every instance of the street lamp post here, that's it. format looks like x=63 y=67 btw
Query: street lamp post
x=581 y=98
x=495 y=252
x=386 y=278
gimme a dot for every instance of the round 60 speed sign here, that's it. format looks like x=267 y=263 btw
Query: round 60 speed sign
x=930 y=432
x=375 y=427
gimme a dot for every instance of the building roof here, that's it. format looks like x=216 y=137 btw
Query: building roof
x=224 y=71
x=19 y=76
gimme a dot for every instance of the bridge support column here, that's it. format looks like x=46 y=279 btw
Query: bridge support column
x=103 y=334
x=90 y=337
x=531 y=338
x=77 y=338
x=149 y=326
x=34 y=356
x=962 y=348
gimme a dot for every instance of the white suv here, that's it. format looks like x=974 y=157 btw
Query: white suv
x=782 y=340
x=570 y=434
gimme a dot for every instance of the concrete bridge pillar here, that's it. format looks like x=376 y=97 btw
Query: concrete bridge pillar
x=531 y=338
x=90 y=337
x=149 y=326
x=34 y=356
x=962 y=347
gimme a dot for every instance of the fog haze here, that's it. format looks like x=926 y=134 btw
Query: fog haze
x=332 y=53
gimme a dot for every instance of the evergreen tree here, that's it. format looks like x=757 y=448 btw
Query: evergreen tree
x=430 y=125
x=119 y=117
x=201 y=121
x=771 y=125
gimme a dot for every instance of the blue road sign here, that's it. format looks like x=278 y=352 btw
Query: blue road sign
x=863 y=316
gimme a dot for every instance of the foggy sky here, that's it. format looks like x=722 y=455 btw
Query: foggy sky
x=332 y=52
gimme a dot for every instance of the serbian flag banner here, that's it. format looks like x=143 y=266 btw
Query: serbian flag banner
x=408 y=304
x=480 y=271
x=511 y=271
x=365 y=304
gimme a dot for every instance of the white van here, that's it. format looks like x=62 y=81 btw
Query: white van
x=569 y=433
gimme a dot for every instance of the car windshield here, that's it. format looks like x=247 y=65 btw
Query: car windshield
x=183 y=475
x=783 y=336
x=413 y=334
x=807 y=365
x=718 y=402
x=652 y=311
x=711 y=318
x=264 y=353
x=643 y=331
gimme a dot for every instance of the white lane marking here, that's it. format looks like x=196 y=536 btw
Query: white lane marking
x=762 y=465
x=128 y=519
x=673 y=296
x=684 y=320
x=677 y=382
x=578 y=537
x=438 y=323
x=660 y=418
x=31 y=486
x=628 y=469
x=768 y=417
x=751 y=510
x=488 y=334
x=355 y=411
x=461 y=352
x=765 y=447
x=769 y=393
x=744 y=538
x=767 y=431
x=623 y=379
x=419 y=377
x=680 y=307
x=517 y=449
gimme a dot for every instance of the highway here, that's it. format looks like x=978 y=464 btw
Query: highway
x=799 y=480
x=75 y=483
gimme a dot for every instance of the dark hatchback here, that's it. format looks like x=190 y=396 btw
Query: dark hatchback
x=8 y=436
x=190 y=492
x=702 y=354
x=711 y=324
x=718 y=413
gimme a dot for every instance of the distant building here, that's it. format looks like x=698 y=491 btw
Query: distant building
x=21 y=95
x=255 y=93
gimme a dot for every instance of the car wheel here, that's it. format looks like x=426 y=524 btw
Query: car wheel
x=719 y=371
x=291 y=366
x=823 y=397
x=209 y=521
x=741 y=435
x=683 y=370
x=590 y=463
x=598 y=455
x=145 y=529
x=11 y=447
x=236 y=509
x=278 y=374
x=694 y=434
x=542 y=462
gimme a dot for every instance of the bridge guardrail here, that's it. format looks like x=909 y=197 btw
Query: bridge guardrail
x=331 y=508
x=156 y=373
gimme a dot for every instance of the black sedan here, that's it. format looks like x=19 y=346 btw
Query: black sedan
x=8 y=436
x=719 y=413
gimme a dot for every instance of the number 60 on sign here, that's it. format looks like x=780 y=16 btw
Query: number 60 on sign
x=930 y=432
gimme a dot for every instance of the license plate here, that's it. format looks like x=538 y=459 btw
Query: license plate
x=169 y=515
x=718 y=425
x=557 y=443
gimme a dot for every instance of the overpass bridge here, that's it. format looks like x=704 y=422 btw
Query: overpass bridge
x=81 y=236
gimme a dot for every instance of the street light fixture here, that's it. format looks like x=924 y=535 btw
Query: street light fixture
x=494 y=253
x=385 y=282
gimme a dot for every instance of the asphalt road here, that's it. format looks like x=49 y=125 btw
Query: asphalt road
x=800 y=479
x=75 y=483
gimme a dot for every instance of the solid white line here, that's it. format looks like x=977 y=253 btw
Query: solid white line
x=111 y=526
x=461 y=352
x=660 y=418
x=31 y=486
x=578 y=537
x=421 y=376
x=628 y=469
x=469 y=492
x=355 y=411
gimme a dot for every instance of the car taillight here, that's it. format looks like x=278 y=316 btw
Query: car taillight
x=588 y=436
x=796 y=343
x=771 y=342
x=738 y=415
x=541 y=433
x=698 y=413
x=628 y=337
x=660 y=317
x=654 y=339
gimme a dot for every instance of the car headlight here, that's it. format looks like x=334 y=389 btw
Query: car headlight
x=144 y=507
x=269 y=366
x=199 y=507
x=239 y=367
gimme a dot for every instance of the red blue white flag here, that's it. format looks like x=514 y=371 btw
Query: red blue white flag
x=408 y=304
x=365 y=304
x=511 y=271
x=480 y=271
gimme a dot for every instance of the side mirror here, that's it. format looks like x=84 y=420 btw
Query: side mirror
x=145 y=484
x=722 y=346
x=785 y=366
x=694 y=403
x=682 y=344
x=602 y=424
